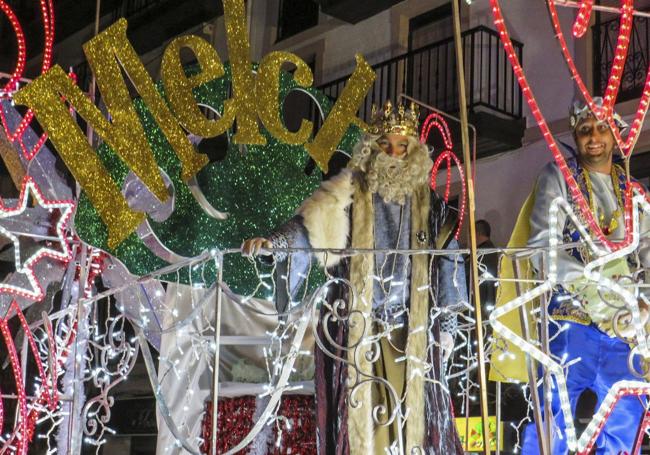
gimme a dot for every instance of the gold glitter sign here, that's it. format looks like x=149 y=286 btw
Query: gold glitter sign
x=255 y=99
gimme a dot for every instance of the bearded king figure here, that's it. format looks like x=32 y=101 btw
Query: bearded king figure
x=388 y=323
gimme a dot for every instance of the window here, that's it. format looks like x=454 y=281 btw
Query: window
x=431 y=27
x=296 y=16
x=605 y=35
x=431 y=63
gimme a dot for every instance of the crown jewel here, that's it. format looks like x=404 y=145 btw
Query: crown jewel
x=388 y=121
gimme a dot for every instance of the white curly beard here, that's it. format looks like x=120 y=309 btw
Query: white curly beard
x=392 y=178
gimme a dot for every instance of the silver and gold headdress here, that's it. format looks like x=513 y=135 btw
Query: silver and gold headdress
x=580 y=111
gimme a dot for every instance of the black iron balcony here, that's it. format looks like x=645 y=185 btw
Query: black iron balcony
x=428 y=74
x=605 y=35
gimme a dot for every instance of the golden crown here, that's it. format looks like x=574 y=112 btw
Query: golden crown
x=388 y=121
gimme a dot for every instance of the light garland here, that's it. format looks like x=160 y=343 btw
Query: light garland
x=35 y=291
x=12 y=84
x=96 y=265
x=643 y=428
x=46 y=393
x=582 y=19
x=591 y=273
x=51 y=398
x=105 y=345
x=632 y=202
x=436 y=120
x=17 y=136
x=619 y=390
x=447 y=156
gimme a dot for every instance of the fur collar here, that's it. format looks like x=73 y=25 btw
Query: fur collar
x=325 y=216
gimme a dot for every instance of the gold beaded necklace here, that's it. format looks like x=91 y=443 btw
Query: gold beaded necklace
x=611 y=226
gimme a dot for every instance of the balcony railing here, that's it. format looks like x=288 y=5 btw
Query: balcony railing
x=429 y=74
x=605 y=36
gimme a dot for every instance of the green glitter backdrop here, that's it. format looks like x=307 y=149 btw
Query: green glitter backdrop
x=259 y=189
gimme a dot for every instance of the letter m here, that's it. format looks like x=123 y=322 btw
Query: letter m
x=46 y=96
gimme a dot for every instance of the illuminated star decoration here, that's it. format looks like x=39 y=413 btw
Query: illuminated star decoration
x=63 y=253
x=619 y=390
x=603 y=255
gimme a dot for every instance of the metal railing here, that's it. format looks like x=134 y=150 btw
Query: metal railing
x=429 y=74
x=605 y=36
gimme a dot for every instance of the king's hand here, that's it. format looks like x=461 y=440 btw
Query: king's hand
x=446 y=344
x=253 y=247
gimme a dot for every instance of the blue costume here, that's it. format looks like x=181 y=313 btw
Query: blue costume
x=588 y=337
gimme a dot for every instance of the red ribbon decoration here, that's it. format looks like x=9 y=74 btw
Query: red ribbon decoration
x=613 y=83
x=436 y=120
x=24 y=434
x=47 y=13
x=576 y=194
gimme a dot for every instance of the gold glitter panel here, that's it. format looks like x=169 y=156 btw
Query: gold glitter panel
x=178 y=87
x=125 y=135
x=11 y=160
x=243 y=82
x=342 y=115
x=268 y=94
x=103 y=53
x=43 y=96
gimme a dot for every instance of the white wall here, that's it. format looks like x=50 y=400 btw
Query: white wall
x=371 y=38
x=502 y=184
x=377 y=38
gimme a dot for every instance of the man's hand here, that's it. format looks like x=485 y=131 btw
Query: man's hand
x=252 y=247
x=446 y=344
